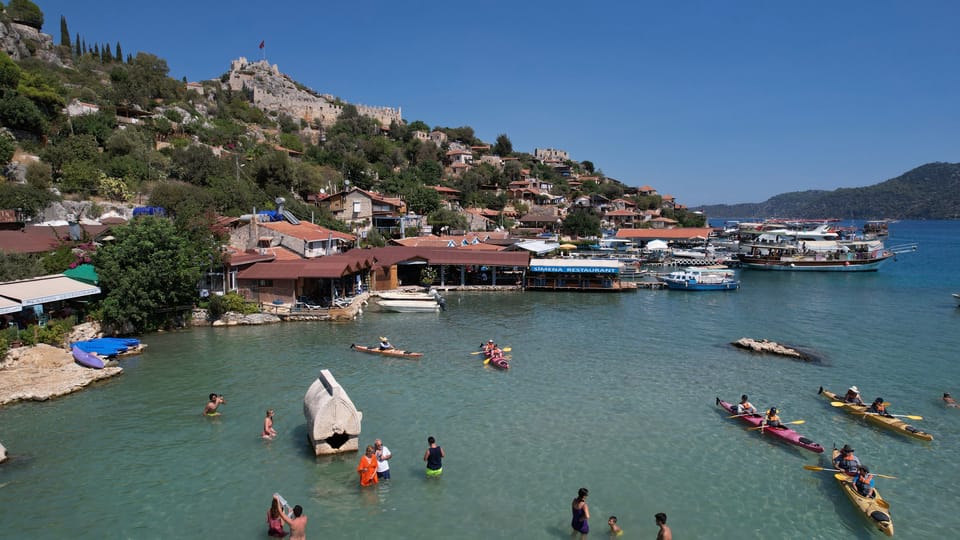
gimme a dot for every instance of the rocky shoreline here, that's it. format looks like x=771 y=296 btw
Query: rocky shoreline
x=42 y=372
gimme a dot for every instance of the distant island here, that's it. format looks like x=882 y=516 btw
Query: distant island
x=931 y=191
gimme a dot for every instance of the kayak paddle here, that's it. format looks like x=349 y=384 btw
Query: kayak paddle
x=880 y=502
x=910 y=416
x=505 y=349
x=815 y=468
x=795 y=422
x=842 y=404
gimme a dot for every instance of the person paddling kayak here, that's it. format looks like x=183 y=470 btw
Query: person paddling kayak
x=385 y=344
x=772 y=419
x=878 y=407
x=864 y=483
x=846 y=461
x=853 y=396
x=745 y=407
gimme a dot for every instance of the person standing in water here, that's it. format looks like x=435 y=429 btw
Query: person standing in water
x=665 y=532
x=298 y=523
x=211 y=408
x=434 y=458
x=581 y=513
x=268 y=432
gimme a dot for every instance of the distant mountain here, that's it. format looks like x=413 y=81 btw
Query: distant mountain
x=931 y=191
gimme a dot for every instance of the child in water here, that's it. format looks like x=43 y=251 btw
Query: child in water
x=615 y=529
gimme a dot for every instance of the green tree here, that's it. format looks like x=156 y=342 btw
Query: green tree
x=9 y=73
x=581 y=223
x=503 y=147
x=18 y=112
x=444 y=220
x=8 y=145
x=16 y=266
x=422 y=200
x=588 y=166
x=76 y=46
x=39 y=175
x=64 y=33
x=149 y=274
x=118 y=53
x=25 y=12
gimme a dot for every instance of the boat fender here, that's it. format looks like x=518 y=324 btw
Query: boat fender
x=879 y=516
x=718 y=401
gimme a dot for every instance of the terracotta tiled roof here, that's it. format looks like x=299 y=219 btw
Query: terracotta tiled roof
x=42 y=238
x=306 y=231
x=620 y=213
x=444 y=189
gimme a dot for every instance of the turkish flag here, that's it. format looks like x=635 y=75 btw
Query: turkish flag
x=262 y=43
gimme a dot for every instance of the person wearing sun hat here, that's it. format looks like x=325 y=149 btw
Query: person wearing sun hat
x=853 y=396
x=385 y=344
x=846 y=461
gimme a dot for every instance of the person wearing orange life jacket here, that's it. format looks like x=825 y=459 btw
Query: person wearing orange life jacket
x=878 y=407
x=846 y=461
x=487 y=347
x=772 y=419
x=745 y=407
x=864 y=483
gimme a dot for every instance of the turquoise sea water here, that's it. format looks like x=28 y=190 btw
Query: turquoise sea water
x=612 y=392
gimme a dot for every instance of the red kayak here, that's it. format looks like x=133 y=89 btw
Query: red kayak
x=783 y=433
x=500 y=362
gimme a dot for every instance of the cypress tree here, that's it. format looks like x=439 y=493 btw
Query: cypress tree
x=129 y=58
x=76 y=46
x=96 y=51
x=64 y=33
x=118 y=53
x=107 y=55
x=84 y=47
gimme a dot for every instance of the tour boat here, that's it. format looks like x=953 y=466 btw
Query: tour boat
x=702 y=278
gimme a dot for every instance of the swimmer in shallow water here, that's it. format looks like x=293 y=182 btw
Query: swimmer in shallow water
x=211 y=408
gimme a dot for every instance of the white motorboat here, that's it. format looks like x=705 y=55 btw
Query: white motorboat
x=956 y=296
x=409 y=306
x=430 y=296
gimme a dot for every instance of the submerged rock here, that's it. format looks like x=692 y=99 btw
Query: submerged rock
x=771 y=347
x=3 y=453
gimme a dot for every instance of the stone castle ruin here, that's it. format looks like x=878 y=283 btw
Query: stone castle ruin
x=274 y=91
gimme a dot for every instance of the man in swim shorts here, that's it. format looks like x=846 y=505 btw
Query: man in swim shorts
x=434 y=458
x=211 y=408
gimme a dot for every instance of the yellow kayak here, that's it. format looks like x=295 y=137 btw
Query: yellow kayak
x=894 y=424
x=875 y=509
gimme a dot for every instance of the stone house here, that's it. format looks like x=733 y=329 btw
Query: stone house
x=365 y=210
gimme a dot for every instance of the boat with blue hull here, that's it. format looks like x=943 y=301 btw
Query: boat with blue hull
x=702 y=278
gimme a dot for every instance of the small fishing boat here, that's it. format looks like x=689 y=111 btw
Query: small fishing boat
x=956 y=296
x=90 y=360
x=782 y=433
x=385 y=352
x=702 y=278
x=876 y=509
x=893 y=424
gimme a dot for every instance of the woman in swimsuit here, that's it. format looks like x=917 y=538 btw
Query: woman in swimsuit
x=581 y=513
x=274 y=523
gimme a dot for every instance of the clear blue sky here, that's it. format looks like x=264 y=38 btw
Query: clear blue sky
x=709 y=101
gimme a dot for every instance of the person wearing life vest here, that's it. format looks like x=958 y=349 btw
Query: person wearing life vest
x=878 y=407
x=745 y=407
x=846 y=461
x=853 y=396
x=488 y=347
x=385 y=344
x=864 y=483
x=772 y=420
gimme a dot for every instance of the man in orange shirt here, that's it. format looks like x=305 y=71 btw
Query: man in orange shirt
x=367 y=469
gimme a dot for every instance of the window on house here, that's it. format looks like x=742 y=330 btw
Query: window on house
x=356 y=207
x=264 y=283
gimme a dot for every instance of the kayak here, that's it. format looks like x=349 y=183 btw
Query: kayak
x=894 y=424
x=783 y=433
x=84 y=358
x=386 y=352
x=869 y=507
x=501 y=362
